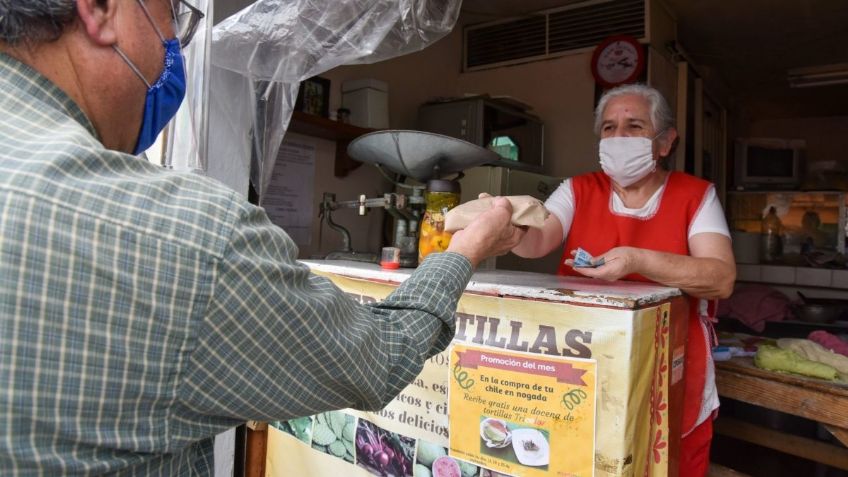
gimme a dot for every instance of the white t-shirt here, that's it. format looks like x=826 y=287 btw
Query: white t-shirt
x=709 y=218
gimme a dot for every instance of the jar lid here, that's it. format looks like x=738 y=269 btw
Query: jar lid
x=443 y=185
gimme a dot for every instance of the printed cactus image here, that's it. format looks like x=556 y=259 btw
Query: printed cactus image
x=333 y=433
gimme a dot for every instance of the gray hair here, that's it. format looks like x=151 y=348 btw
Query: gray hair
x=661 y=117
x=35 y=21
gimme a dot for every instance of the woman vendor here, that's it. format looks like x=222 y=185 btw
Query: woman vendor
x=643 y=222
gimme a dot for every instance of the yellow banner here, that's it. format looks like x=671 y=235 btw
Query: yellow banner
x=522 y=414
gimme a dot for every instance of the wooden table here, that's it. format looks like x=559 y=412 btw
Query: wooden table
x=822 y=401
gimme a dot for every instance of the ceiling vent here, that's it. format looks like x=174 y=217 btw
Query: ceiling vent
x=551 y=33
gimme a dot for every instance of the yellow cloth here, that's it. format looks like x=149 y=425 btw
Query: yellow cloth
x=773 y=358
x=816 y=352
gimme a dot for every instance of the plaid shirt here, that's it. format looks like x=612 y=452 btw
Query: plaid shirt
x=143 y=311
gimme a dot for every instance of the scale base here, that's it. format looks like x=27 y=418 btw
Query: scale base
x=367 y=257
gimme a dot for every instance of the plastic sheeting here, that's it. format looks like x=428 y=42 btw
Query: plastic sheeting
x=262 y=53
x=188 y=141
x=183 y=144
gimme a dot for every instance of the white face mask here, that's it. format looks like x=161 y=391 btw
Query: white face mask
x=627 y=160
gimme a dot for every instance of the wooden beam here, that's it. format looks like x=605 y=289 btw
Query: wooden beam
x=257 y=425
x=814 y=399
x=257 y=442
x=838 y=432
x=717 y=470
x=803 y=447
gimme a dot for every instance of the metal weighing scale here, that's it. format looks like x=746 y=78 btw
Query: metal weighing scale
x=401 y=154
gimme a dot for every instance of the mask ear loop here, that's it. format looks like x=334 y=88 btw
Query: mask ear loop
x=657 y=161
x=131 y=65
x=158 y=33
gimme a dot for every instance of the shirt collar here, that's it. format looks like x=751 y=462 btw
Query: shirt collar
x=28 y=84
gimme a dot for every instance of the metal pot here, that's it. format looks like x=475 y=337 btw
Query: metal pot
x=817 y=313
x=820 y=310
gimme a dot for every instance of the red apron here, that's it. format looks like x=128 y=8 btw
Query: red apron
x=596 y=228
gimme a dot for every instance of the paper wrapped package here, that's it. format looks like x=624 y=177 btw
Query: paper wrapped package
x=526 y=211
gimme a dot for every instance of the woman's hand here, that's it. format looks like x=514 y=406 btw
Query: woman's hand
x=618 y=262
x=709 y=272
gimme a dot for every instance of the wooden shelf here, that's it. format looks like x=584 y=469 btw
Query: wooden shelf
x=317 y=126
x=341 y=133
x=825 y=402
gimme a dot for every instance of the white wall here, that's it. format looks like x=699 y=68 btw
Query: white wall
x=225 y=451
x=560 y=91
x=366 y=231
x=412 y=79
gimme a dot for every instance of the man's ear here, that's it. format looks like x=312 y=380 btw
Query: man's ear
x=98 y=19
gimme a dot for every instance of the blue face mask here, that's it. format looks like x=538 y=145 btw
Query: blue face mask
x=164 y=96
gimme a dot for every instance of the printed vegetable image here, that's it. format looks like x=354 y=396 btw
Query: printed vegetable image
x=468 y=469
x=382 y=452
x=429 y=452
x=333 y=434
x=433 y=460
x=421 y=471
x=301 y=428
x=446 y=467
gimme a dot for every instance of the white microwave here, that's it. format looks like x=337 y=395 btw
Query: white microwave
x=769 y=163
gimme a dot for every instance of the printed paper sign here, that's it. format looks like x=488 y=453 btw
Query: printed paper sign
x=520 y=413
x=288 y=200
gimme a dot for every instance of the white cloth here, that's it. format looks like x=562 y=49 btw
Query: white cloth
x=709 y=401
x=709 y=218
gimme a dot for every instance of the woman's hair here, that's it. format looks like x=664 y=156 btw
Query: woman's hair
x=35 y=21
x=661 y=117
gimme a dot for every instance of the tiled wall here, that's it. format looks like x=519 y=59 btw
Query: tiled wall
x=816 y=282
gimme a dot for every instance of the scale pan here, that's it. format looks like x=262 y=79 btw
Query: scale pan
x=417 y=154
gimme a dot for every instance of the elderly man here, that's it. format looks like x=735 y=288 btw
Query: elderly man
x=642 y=222
x=144 y=311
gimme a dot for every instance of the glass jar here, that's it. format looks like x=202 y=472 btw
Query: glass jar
x=440 y=197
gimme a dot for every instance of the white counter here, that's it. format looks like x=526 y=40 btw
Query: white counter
x=522 y=284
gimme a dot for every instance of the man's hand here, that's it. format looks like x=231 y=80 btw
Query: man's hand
x=490 y=234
